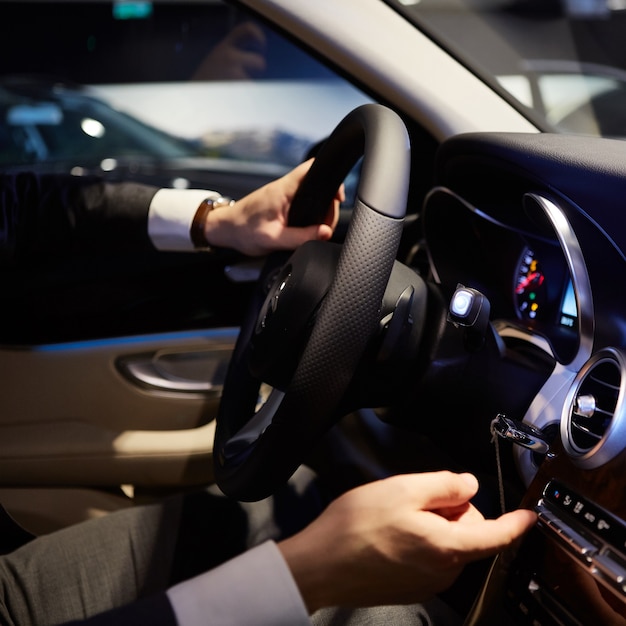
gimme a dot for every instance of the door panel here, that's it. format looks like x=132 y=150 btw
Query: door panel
x=72 y=415
x=111 y=359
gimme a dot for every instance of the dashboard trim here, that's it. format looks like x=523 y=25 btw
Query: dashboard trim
x=578 y=272
x=546 y=408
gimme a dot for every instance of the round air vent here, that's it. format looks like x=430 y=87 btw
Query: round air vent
x=593 y=423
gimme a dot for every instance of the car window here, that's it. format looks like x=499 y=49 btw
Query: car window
x=185 y=94
x=99 y=85
x=562 y=61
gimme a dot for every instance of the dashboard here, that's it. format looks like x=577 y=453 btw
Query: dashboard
x=533 y=284
x=535 y=223
x=527 y=274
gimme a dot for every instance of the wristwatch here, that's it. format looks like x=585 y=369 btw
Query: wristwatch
x=198 y=238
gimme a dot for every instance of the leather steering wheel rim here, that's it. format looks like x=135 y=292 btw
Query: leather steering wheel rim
x=255 y=452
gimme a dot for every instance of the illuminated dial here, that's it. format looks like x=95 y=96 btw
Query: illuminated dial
x=529 y=286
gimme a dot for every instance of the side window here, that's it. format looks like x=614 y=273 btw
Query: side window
x=182 y=93
x=197 y=80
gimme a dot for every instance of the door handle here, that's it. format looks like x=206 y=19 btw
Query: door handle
x=179 y=371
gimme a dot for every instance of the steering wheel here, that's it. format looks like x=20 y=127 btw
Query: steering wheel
x=313 y=315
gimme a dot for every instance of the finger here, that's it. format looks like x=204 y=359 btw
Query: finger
x=324 y=232
x=292 y=237
x=293 y=181
x=441 y=490
x=331 y=218
x=463 y=512
x=488 y=537
x=296 y=175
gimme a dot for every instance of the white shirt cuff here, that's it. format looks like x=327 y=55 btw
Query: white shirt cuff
x=170 y=216
x=254 y=588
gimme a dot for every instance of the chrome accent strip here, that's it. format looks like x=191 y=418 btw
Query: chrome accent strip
x=578 y=272
x=544 y=411
x=547 y=407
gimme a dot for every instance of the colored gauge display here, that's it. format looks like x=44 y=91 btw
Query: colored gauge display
x=529 y=286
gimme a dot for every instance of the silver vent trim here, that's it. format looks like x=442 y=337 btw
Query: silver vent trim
x=593 y=422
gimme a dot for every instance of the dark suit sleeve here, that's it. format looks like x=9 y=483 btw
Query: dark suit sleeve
x=62 y=215
x=155 y=610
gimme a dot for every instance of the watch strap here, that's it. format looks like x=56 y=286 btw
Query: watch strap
x=198 y=238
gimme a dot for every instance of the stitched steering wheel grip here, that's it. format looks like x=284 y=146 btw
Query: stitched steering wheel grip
x=258 y=449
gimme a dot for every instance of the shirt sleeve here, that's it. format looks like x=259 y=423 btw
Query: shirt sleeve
x=170 y=216
x=254 y=588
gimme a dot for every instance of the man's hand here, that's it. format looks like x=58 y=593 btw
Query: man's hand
x=257 y=224
x=396 y=541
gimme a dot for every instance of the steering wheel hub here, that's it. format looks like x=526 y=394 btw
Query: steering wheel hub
x=288 y=312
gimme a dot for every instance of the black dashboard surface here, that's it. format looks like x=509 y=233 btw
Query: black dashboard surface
x=584 y=177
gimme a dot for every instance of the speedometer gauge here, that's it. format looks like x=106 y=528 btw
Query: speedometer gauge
x=529 y=286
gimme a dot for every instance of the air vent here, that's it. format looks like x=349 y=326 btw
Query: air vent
x=593 y=424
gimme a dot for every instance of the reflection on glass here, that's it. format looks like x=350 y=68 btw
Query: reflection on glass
x=92 y=127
